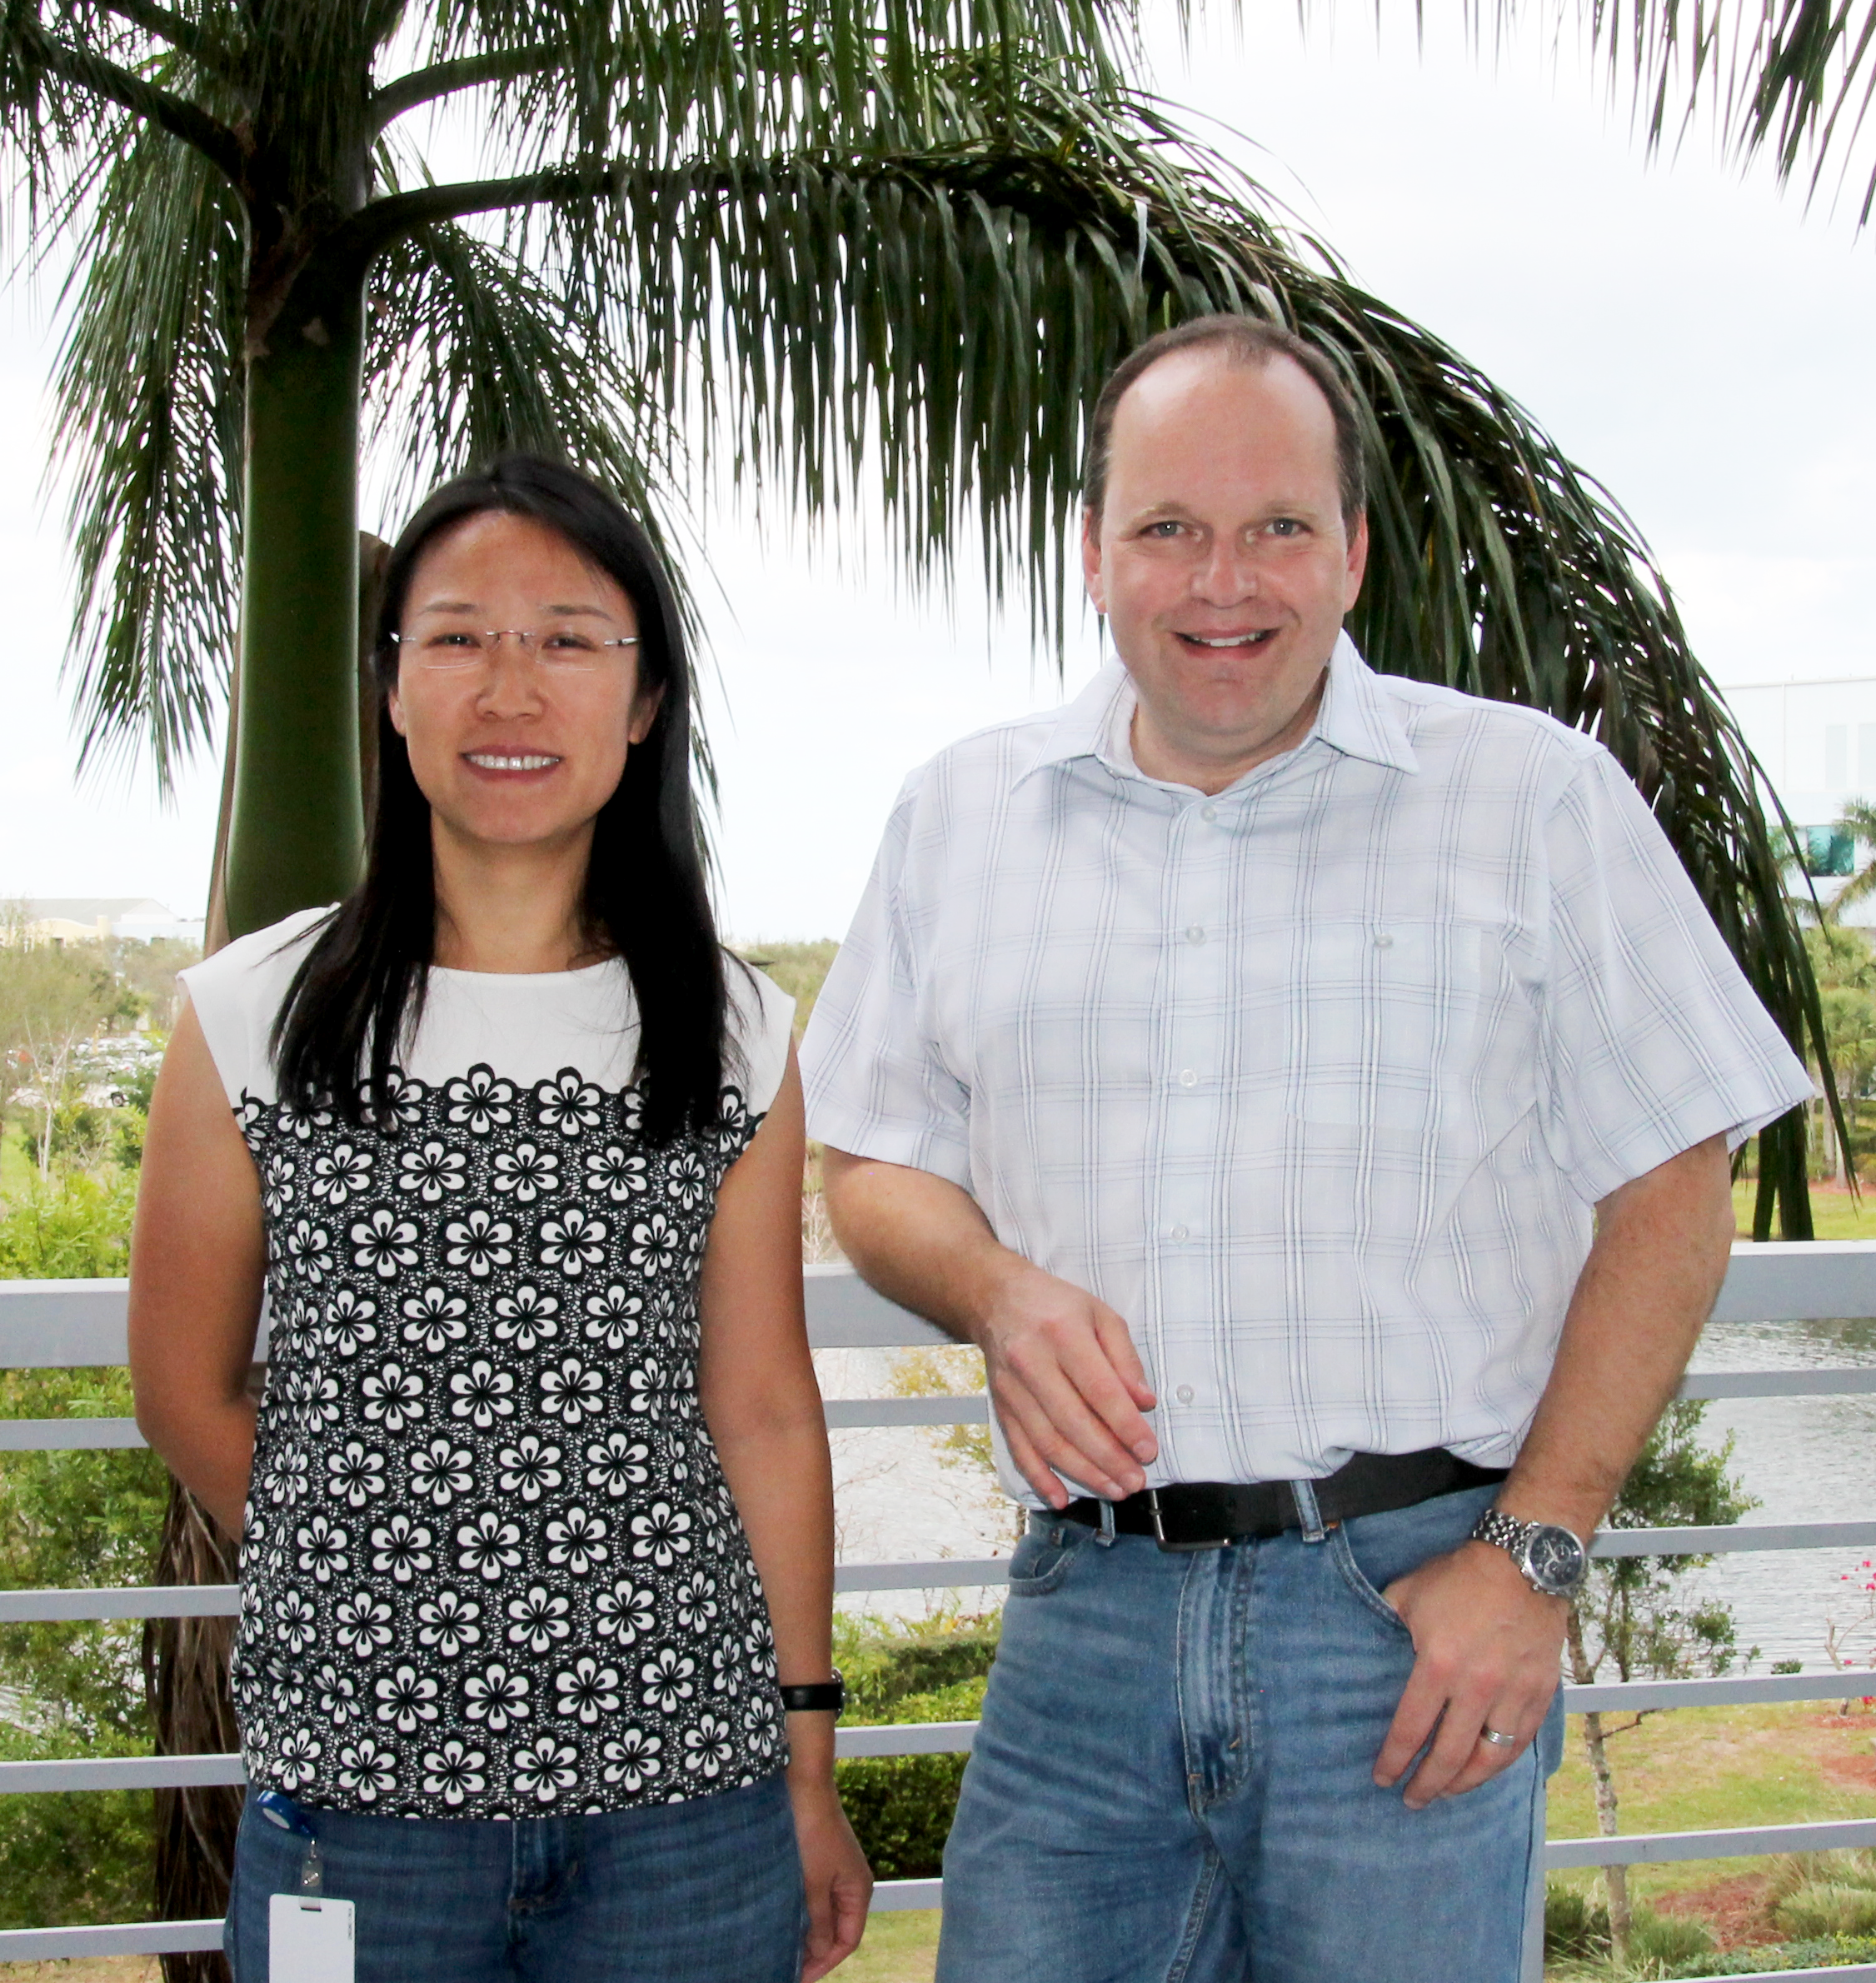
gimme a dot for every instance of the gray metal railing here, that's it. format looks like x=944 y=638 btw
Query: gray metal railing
x=54 y=1323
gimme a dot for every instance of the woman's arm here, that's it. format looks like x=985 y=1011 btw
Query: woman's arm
x=763 y=1407
x=197 y=1261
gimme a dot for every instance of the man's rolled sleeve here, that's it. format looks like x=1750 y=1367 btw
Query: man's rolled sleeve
x=876 y=1086
x=1654 y=1041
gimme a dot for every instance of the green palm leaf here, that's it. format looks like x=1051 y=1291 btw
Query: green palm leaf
x=148 y=388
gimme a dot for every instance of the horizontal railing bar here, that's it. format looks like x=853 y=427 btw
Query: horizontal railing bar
x=895 y=1896
x=1652 y=1848
x=843 y=1413
x=222 y=1601
x=177 y=1938
x=1800 y=1280
x=119 y=1773
x=84 y=1434
x=144 y=1600
x=54 y=1324
x=66 y=1434
x=1742 y=1535
x=74 y=1435
x=955 y=1738
x=123 y=1938
x=949 y=1572
x=1848 y=1974
x=905 y=1738
x=1835 y=1383
x=1730 y=1689
x=47 y=1325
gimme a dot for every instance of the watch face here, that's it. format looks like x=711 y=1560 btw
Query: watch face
x=1557 y=1559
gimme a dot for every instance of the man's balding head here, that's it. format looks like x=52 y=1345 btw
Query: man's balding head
x=1248 y=341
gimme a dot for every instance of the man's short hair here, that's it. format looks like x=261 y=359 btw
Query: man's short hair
x=1251 y=340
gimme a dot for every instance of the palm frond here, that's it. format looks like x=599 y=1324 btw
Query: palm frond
x=941 y=318
x=148 y=389
x=1795 y=77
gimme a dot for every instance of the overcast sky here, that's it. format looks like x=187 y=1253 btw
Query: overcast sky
x=1692 y=337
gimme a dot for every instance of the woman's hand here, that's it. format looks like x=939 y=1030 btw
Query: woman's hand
x=840 y=1883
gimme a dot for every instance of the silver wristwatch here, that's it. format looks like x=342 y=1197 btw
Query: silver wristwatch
x=1552 y=1560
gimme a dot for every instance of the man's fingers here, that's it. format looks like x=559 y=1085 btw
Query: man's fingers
x=1023 y=1454
x=1118 y=1342
x=1455 y=1743
x=1414 y=1721
x=1064 y=1427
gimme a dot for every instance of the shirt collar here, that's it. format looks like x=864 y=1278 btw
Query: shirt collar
x=1358 y=717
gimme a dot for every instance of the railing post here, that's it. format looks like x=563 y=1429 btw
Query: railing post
x=1531 y=1969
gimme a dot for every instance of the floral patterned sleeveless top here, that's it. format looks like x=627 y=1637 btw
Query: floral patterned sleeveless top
x=491 y=1567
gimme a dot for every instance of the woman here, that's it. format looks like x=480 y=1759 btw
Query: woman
x=535 y=1511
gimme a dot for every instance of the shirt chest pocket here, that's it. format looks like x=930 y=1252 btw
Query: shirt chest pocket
x=1380 y=1026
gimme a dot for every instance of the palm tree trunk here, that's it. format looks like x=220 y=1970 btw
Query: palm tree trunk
x=295 y=836
x=1615 y=1878
x=186 y=1681
x=291 y=838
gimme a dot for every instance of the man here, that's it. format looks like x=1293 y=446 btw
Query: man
x=1313 y=1091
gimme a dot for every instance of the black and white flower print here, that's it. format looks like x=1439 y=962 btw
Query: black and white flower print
x=491 y=1567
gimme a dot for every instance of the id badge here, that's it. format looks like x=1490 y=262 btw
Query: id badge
x=309 y=1939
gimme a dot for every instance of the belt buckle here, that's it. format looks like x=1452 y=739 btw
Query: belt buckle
x=1153 y=1509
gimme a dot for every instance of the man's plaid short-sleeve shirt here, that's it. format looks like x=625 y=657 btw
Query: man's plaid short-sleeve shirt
x=1316 y=1081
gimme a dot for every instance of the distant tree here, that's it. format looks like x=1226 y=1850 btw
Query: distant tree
x=1859 y=819
x=53 y=999
x=1632 y=1616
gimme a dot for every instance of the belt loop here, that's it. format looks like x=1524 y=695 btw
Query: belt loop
x=1309 y=1516
x=1105 y=1535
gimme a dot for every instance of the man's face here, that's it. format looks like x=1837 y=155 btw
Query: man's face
x=1221 y=559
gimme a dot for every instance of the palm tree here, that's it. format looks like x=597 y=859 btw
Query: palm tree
x=1859 y=819
x=836 y=246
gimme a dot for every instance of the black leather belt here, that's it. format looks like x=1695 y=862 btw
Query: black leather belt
x=1208 y=1514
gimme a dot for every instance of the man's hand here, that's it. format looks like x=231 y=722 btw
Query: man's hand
x=1487 y=1654
x=1069 y=1385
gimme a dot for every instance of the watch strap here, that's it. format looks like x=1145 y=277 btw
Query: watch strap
x=821 y=1695
x=1514 y=1537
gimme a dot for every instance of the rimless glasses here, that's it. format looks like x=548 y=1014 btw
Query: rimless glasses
x=560 y=650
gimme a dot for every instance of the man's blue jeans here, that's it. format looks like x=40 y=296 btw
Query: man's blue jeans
x=708 y=1890
x=1173 y=1782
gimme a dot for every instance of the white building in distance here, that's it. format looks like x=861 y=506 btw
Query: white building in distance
x=90 y=918
x=1816 y=742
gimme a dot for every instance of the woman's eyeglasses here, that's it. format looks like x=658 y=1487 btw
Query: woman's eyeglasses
x=456 y=649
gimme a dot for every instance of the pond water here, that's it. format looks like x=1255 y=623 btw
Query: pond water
x=1806 y=1460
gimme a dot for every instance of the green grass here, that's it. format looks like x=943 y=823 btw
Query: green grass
x=899 y=1948
x=1835 y=1215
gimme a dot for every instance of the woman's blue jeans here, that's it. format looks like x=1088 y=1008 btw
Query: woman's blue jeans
x=708 y=1890
x=1173 y=1783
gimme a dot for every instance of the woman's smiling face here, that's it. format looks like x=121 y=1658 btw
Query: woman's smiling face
x=521 y=744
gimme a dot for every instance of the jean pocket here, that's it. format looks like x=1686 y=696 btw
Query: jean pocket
x=1342 y=1554
x=1044 y=1556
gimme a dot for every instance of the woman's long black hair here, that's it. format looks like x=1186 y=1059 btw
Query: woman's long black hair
x=359 y=994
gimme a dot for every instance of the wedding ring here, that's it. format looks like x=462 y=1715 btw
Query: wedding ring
x=1497 y=1740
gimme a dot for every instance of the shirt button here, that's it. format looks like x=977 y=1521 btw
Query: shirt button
x=1188 y=1078
x=1180 y=1233
x=1184 y=1394
x=1208 y=813
x=1383 y=941
x=1194 y=935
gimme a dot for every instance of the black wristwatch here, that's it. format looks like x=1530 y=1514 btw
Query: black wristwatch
x=821 y=1695
x=1552 y=1561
